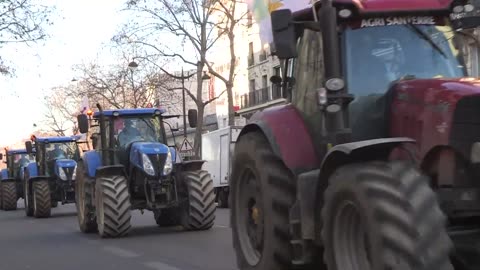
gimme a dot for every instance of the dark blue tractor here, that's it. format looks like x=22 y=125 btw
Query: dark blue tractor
x=50 y=178
x=11 y=187
x=133 y=168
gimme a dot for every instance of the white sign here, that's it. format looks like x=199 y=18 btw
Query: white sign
x=398 y=21
x=186 y=150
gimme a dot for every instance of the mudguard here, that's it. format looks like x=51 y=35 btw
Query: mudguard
x=285 y=129
x=189 y=165
x=110 y=170
x=32 y=170
x=91 y=161
x=4 y=174
x=311 y=185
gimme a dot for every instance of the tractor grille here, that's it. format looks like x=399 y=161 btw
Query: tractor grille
x=69 y=172
x=158 y=162
x=465 y=128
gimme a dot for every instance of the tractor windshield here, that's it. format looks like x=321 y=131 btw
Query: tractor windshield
x=140 y=128
x=17 y=161
x=62 y=150
x=376 y=56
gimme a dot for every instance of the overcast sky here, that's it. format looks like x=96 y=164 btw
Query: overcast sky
x=80 y=28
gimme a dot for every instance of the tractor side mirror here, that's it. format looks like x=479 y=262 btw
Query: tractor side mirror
x=82 y=121
x=29 y=147
x=284 y=37
x=192 y=118
x=276 y=80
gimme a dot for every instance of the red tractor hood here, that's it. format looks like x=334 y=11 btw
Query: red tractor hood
x=436 y=112
x=448 y=90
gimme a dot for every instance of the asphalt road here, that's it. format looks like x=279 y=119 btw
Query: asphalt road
x=57 y=244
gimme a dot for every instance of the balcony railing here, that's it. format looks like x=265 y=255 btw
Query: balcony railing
x=260 y=96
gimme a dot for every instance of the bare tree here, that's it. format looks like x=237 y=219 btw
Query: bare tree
x=61 y=109
x=189 y=22
x=21 y=21
x=230 y=15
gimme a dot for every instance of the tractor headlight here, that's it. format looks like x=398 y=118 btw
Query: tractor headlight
x=147 y=165
x=62 y=174
x=168 y=164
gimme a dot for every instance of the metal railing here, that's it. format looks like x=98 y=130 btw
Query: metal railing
x=260 y=96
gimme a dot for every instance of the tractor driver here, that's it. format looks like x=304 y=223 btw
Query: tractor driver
x=57 y=152
x=128 y=133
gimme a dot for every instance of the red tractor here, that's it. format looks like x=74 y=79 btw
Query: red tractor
x=374 y=163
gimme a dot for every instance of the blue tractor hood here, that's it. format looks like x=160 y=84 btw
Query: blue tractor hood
x=151 y=149
x=67 y=165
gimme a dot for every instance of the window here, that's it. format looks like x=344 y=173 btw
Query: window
x=263 y=55
x=309 y=72
x=250 y=54
x=252 y=85
x=264 y=81
x=276 y=71
x=392 y=52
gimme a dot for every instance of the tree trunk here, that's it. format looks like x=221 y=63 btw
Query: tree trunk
x=197 y=144
x=231 y=112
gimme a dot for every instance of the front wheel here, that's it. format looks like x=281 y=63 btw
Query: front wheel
x=200 y=211
x=383 y=215
x=41 y=199
x=113 y=206
x=9 y=196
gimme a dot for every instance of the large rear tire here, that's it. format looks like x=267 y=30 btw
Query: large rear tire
x=113 y=206
x=9 y=196
x=383 y=215
x=262 y=190
x=200 y=211
x=42 y=207
x=84 y=201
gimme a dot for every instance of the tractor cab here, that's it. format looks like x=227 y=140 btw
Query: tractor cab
x=16 y=160
x=340 y=54
x=131 y=138
x=56 y=156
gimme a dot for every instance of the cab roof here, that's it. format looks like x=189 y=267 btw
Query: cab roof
x=130 y=112
x=16 y=151
x=368 y=6
x=56 y=139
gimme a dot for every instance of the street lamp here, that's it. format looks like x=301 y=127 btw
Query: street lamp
x=133 y=66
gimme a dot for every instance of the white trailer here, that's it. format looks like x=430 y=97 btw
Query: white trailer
x=217 y=151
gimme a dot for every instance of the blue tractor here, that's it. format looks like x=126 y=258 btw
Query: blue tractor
x=11 y=188
x=50 y=178
x=133 y=168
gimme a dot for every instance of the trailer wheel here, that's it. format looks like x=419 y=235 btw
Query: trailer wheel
x=9 y=196
x=222 y=198
x=262 y=190
x=381 y=215
x=167 y=217
x=112 y=206
x=28 y=199
x=84 y=201
x=199 y=214
x=41 y=199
